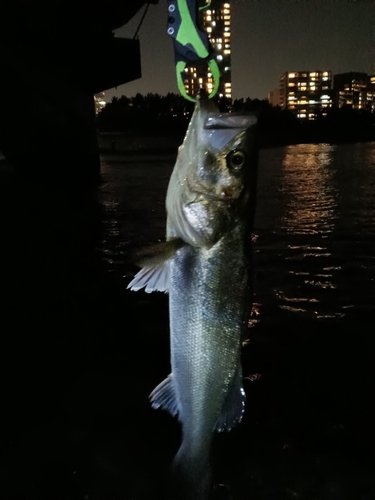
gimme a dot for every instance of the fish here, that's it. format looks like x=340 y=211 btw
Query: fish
x=205 y=265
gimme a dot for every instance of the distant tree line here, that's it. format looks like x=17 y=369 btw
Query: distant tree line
x=154 y=113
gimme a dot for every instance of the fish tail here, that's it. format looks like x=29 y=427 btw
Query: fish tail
x=191 y=474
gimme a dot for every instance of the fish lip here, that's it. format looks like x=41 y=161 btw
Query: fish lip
x=201 y=196
x=204 y=196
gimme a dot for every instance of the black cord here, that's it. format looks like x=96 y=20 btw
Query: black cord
x=141 y=21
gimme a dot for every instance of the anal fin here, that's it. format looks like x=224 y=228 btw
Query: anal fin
x=163 y=396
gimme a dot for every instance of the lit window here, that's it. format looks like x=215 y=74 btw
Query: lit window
x=226 y=6
x=313 y=88
x=209 y=30
x=226 y=29
x=291 y=84
x=325 y=78
x=219 y=57
x=325 y=73
x=227 y=45
x=226 y=11
x=208 y=18
x=219 y=46
x=325 y=97
x=213 y=23
x=200 y=80
x=228 y=84
x=227 y=23
x=228 y=34
x=228 y=96
x=226 y=51
x=227 y=17
x=313 y=74
x=292 y=75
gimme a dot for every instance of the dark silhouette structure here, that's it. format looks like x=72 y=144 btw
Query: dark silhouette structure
x=54 y=57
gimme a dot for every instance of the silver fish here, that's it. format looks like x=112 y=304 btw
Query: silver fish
x=210 y=206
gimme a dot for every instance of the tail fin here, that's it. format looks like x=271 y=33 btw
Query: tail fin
x=190 y=474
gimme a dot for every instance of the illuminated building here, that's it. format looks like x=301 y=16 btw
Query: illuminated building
x=306 y=93
x=356 y=90
x=215 y=20
x=99 y=102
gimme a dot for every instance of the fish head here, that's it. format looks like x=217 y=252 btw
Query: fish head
x=213 y=178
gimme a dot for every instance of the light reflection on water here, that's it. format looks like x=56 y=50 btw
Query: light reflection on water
x=311 y=196
x=314 y=222
x=313 y=234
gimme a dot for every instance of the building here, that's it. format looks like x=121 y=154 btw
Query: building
x=356 y=90
x=274 y=97
x=99 y=102
x=306 y=93
x=215 y=20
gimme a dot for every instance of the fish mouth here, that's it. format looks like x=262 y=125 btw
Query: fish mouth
x=202 y=197
x=228 y=194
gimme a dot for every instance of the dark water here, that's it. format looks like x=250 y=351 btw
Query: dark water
x=80 y=354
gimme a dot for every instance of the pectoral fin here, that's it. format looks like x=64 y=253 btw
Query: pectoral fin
x=155 y=260
x=156 y=254
x=234 y=406
x=163 y=396
x=152 y=278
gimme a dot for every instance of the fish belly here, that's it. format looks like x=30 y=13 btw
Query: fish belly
x=209 y=301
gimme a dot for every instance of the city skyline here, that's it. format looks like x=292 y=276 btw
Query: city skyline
x=268 y=38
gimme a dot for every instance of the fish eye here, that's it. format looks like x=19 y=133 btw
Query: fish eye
x=236 y=159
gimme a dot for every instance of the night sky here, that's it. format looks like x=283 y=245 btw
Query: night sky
x=269 y=37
